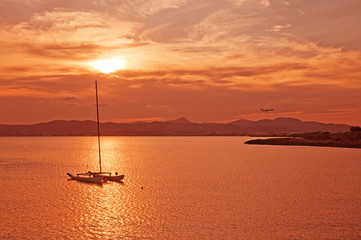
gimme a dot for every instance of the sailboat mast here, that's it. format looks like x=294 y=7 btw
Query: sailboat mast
x=96 y=95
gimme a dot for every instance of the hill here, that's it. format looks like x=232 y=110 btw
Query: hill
x=178 y=127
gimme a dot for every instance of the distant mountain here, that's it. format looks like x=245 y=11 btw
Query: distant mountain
x=181 y=120
x=179 y=127
x=289 y=125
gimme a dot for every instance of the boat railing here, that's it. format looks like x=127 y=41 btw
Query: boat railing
x=99 y=173
x=89 y=174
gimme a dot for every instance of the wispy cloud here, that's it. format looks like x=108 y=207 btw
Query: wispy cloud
x=179 y=50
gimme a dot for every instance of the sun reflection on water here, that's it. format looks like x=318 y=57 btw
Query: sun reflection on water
x=112 y=155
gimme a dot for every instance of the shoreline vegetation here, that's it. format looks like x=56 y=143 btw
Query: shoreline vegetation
x=350 y=139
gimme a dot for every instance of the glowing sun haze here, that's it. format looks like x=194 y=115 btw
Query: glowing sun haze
x=108 y=65
x=216 y=60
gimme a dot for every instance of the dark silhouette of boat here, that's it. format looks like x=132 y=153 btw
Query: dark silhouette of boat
x=97 y=177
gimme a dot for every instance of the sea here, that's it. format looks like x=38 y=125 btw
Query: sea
x=178 y=188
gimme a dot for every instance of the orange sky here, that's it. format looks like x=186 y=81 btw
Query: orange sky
x=214 y=60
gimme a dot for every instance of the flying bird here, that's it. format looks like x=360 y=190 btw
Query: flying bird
x=267 y=110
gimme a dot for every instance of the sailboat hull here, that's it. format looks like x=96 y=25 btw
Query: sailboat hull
x=89 y=179
x=114 y=178
x=107 y=176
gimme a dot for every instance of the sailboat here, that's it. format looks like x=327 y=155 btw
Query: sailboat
x=97 y=177
x=86 y=177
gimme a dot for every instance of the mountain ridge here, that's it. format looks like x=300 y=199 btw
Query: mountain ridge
x=178 y=127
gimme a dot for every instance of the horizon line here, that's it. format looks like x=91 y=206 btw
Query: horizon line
x=151 y=120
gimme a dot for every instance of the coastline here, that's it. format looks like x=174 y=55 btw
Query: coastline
x=299 y=141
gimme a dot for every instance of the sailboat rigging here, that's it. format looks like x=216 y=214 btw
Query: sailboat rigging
x=96 y=97
x=97 y=177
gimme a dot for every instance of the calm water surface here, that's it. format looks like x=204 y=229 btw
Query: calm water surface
x=193 y=188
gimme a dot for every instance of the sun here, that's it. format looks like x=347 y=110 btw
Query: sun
x=108 y=65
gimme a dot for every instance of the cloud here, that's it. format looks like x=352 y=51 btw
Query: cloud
x=261 y=3
x=278 y=28
x=329 y=23
x=64 y=26
x=213 y=52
